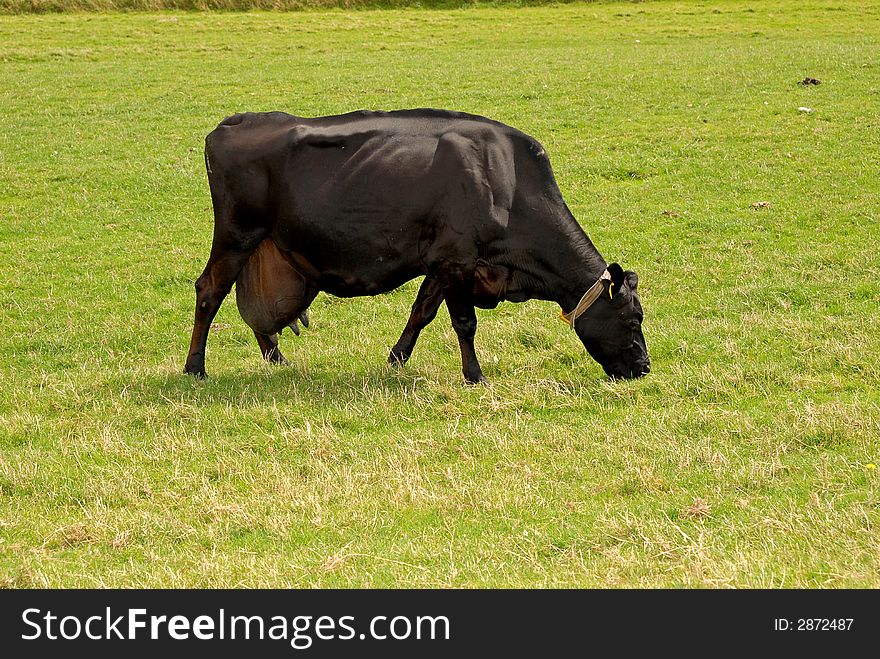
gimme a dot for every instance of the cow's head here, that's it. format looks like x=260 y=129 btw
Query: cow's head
x=611 y=329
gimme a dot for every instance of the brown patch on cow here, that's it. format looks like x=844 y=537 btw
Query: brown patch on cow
x=760 y=204
x=490 y=283
x=270 y=292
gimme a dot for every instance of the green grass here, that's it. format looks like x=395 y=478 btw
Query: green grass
x=744 y=459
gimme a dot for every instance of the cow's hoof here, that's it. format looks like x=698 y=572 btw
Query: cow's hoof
x=397 y=359
x=277 y=359
x=197 y=371
x=480 y=379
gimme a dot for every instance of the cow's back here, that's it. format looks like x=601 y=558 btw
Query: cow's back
x=367 y=200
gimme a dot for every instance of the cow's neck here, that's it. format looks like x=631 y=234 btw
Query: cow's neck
x=561 y=264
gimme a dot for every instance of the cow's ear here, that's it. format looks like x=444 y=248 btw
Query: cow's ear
x=618 y=290
x=617 y=278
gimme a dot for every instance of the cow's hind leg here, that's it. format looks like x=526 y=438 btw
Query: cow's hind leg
x=424 y=309
x=269 y=348
x=211 y=289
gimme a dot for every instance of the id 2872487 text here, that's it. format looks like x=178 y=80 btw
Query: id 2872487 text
x=813 y=624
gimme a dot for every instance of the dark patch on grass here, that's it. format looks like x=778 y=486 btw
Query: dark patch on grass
x=820 y=438
x=623 y=174
x=535 y=338
x=247 y=537
x=10 y=489
x=629 y=487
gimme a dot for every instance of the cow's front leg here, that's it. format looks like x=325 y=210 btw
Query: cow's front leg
x=211 y=288
x=460 y=302
x=424 y=309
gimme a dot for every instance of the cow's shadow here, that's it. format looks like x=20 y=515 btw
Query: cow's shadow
x=262 y=385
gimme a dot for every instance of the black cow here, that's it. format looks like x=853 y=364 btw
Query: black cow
x=359 y=203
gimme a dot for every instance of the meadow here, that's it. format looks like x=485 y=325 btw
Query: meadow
x=682 y=142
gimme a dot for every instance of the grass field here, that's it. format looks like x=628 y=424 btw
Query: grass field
x=747 y=457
